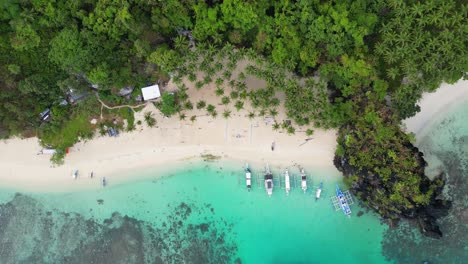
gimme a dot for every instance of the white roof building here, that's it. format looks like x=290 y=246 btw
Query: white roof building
x=151 y=92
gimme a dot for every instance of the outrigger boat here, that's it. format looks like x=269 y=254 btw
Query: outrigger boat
x=103 y=182
x=248 y=177
x=287 y=184
x=303 y=181
x=75 y=174
x=318 y=192
x=343 y=202
x=268 y=181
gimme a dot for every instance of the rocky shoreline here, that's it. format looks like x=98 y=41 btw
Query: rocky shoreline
x=424 y=216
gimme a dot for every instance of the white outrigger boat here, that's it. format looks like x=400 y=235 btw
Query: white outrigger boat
x=318 y=192
x=303 y=181
x=75 y=174
x=268 y=181
x=287 y=183
x=248 y=177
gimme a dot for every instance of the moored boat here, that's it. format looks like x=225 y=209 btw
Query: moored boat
x=343 y=202
x=268 y=181
x=303 y=181
x=318 y=192
x=75 y=174
x=287 y=184
x=103 y=182
x=248 y=177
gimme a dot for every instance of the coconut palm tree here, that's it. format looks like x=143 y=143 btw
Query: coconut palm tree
x=201 y=104
x=226 y=114
x=239 y=105
x=276 y=126
x=182 y=116
x=251 y=115
x=225 y=100
x=193 y=118
x=199 y=85
x=188 y=105
x=210 y=108
x=181 y=43
x=219 y=91
x=149 y=119
x=273 y=112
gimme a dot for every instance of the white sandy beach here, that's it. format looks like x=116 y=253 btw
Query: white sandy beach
x=172 y=143
x=436 y=104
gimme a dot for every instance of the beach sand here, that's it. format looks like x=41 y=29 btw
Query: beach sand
x=172 y=143
x=168 y=145
x=436 y=104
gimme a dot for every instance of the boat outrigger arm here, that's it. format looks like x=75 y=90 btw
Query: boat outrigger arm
x=343 y=202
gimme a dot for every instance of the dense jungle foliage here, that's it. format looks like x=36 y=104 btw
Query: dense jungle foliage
x=375 y=57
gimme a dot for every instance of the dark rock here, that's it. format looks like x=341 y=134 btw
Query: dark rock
x=360 y=213
x=428 y=227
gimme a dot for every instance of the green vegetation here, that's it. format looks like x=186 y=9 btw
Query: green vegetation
x=209 y=157
x=149 y=119
x=359 y=66
x=168 y=105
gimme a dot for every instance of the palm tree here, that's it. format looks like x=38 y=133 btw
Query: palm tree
x=276 y=126
x=219 y=91
x=392 y=73
x=234 y=95
x=273 y=112
x=192 y=77
x=182 y=116
x=219 y=81
x=214 y=114
x=262 y=112
x=193 y=118
x=251 y=115
x=226 y=114
x=227 y=74
x=201 y=104
x=309 y=132
x=239 y=105
x=225 y=100
x=188 y=105
x=291 y=130
x=199 y=85
x=210 y=108
x=149 y=119
x=180 y=43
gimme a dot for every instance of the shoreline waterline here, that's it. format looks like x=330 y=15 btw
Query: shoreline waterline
x=215 y=202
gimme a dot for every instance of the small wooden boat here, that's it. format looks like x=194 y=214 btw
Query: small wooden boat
x=343 y=202
x=318 y=192
x=103 y=182
x=248 y=177
x=303 y=181
x=268 y=181
x=75 y=174
x=287 y=183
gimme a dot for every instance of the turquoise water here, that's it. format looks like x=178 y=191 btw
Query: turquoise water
x=252 y=227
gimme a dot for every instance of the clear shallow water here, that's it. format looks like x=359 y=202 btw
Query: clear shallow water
x=201 y=214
